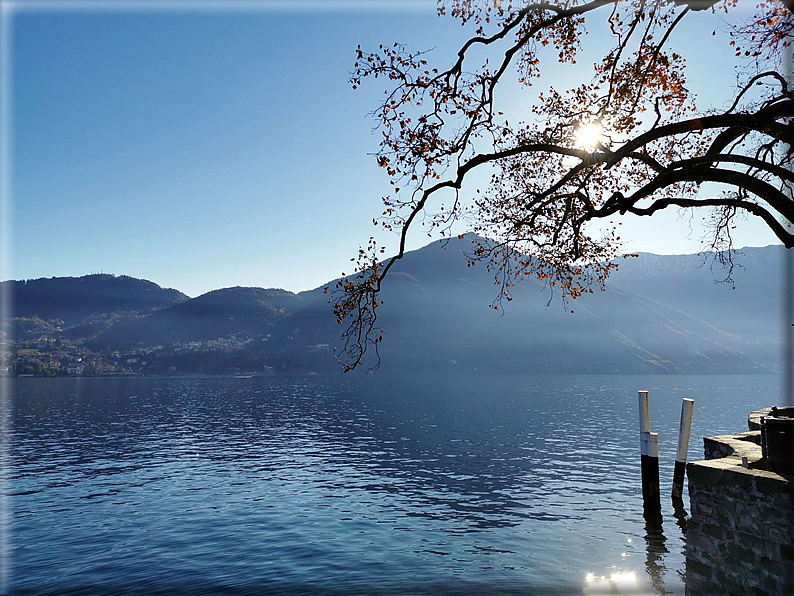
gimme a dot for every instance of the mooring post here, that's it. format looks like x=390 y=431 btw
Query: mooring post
x=652 y=504
x=645 y=416
x=649 y=462
x=683 y=445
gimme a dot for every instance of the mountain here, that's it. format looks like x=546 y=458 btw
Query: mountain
x=748 y=306
x=666 y=314
x=72 y=299
x=252 y=312
x=436 y=313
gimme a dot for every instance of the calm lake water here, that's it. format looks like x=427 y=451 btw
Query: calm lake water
x=342 y=485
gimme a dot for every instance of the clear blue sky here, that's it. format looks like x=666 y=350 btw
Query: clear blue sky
x=201 y=146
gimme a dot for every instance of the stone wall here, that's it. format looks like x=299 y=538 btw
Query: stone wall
x=740 y=538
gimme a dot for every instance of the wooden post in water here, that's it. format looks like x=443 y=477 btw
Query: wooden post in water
x=649 y=462
x=683 y=444
x=652 y=505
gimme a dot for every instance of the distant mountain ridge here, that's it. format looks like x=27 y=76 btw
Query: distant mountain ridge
x=219 y=313
x=749 y=305
x=74 y=298
x=620 y=330
x=659 y=314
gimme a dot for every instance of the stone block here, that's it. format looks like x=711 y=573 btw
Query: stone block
x=702 y=541
x=699 y=568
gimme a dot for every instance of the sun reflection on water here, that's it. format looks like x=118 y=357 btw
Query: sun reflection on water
x=616 y=583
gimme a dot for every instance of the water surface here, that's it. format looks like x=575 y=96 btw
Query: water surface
x=345 y=485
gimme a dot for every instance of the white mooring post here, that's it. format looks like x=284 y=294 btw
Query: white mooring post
x=683 y=444
x=649 y=462
x=645 y=416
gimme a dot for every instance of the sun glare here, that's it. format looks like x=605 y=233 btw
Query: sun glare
x=617 y=583
x=588 y=136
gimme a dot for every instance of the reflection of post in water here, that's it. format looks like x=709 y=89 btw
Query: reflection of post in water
x=681 y=521
x=655 y=549
x=680 y=514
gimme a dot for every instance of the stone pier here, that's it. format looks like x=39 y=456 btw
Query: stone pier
x=740 y=538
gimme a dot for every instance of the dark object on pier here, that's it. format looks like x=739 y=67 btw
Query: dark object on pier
x=777 y=442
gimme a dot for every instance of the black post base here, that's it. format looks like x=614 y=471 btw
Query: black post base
x=678 y=479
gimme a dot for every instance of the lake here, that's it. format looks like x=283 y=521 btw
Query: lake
x=347 y=485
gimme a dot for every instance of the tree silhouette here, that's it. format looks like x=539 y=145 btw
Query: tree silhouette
x=629 y=140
